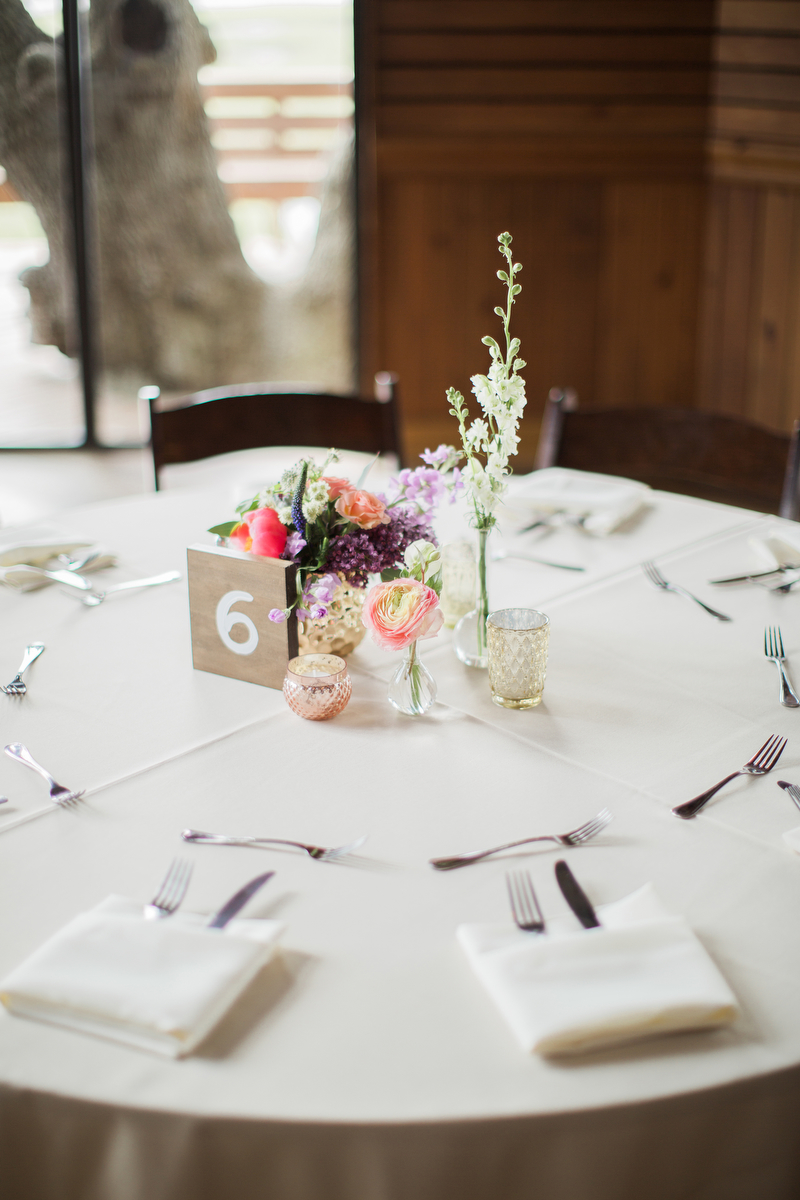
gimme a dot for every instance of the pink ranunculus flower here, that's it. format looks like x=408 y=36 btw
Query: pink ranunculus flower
x=336 y=485
x=362 y=508
x=399 y=612
x=263 y=531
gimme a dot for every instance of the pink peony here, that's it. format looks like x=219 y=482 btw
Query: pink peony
x=399 y=612
x=362 y=508
x=260 y=532
x=336 y=485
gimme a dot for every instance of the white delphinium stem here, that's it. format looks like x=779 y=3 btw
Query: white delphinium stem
x=491 y=439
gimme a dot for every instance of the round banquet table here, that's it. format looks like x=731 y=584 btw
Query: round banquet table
x=366 y=1062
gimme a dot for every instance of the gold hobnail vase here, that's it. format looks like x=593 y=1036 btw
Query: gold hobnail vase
x=340 y=630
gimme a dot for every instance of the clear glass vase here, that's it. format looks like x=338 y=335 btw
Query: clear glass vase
x=469 y=636
x=412 y=688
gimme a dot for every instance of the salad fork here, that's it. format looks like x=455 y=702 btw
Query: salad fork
x=524 y=905
x=657 y=579
x=773 y=649
x=58 y=793
x=323 y=853
x=170 y=894
x=761 y=763
x=575 y=837
x=17 y=687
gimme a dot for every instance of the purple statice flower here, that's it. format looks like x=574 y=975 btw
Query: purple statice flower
x=295 y=542
x=363 y=552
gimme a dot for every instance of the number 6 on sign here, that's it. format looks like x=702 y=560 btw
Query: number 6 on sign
x=220 y=579
x=227 y=619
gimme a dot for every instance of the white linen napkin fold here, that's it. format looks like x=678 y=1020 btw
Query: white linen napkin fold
x=792 y=839
x=37 y=546
x=603 y=501
x=156 y=985
x=643 y=972
x=778 y=546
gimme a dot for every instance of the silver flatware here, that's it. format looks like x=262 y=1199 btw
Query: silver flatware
x=761 y=763
x=79 y=561
x=498 y=555
x=524 y=905
x=92 y=598
x=575 y=896
x=58 y=792
x=70 y=579
x=773 y=649
x=792 y=789
x=323 y=853
x=170 y=894
x=657 y=579
x=17 y=687
x=753 y=577
x=575 y=837
x=238 y=901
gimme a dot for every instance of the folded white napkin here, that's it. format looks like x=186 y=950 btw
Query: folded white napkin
x=792 y=839
x=156 y=985
x=36 y=547
x=604 y=501
x=643 y=972
x=778 y=546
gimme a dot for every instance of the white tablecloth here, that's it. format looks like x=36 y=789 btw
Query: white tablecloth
x=366 y=1062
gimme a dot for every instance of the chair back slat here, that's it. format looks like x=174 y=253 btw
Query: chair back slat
x=708 y=455
x=223 y=420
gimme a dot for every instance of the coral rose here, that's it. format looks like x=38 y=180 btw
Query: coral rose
x=362 y=508
x=336 y=485
x=399 y=612
x=260 y=532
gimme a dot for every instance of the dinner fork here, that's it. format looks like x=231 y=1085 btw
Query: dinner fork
x=169 y=896
x=773 y=648
x=575 y=837
x=524 y=905
x=58 y=793
x=17 y=687
x=654 y=575
x=323 y=853
x=761 y=763
x=92 y=599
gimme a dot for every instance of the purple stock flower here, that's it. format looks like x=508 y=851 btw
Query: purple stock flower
x=295 y=542
x=436 y=457
x=277 y=615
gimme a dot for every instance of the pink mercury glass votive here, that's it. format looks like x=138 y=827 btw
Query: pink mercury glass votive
x=317 y=686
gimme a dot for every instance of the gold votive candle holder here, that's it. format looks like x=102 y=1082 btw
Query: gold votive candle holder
x=317 y=686
x=517 y=640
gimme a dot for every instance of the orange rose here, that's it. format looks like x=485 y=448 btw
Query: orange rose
x=336 y=485
x=362 y=508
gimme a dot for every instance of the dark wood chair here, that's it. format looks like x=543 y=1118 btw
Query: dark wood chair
x=702 y=454
x=251 y=415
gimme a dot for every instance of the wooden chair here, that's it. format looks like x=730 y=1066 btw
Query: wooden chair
x=700 y=454
x=248 y=416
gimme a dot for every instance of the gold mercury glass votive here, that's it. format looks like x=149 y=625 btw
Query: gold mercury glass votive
x=517 y=646
x=317 y=686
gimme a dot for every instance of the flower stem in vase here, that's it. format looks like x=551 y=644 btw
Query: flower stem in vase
x=412 y=688
x=469 y=637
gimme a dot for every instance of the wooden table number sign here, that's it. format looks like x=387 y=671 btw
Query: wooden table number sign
x=231 y=594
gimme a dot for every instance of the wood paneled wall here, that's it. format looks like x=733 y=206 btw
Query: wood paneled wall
x=645 y=154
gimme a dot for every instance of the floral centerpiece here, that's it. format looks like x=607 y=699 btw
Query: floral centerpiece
x=488 y=442
x=338 y=535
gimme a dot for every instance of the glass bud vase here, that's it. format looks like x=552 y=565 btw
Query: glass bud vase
x=469 y=636
x=412 y=688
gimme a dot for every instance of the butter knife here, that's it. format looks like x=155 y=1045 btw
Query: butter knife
x=752 y=576
x=238 y=901
x=792 y=789
x=575 y=896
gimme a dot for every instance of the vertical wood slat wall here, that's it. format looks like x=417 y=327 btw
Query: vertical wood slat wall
x=645 y=154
